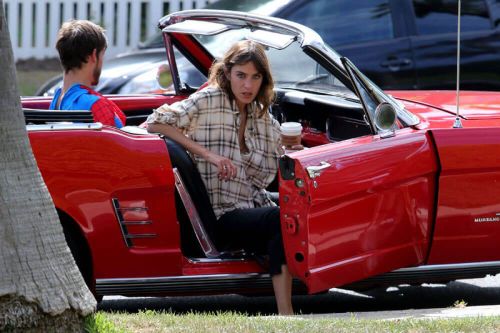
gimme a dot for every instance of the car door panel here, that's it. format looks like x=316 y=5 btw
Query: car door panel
x=389 y=63
x=372 y=34
x=436 y=67
x=369 y=212
x=468 y=213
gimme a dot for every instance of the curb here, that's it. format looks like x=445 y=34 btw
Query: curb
x=442 y=313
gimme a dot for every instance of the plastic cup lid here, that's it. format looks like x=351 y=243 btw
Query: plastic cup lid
x=291 y=128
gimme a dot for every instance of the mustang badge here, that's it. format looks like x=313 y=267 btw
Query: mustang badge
x=488 y=219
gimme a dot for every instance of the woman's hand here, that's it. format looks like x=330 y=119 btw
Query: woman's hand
x=227 y=170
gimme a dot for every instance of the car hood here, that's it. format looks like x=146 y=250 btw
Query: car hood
x=117 y=71
x=474 y=105
x=126 y=63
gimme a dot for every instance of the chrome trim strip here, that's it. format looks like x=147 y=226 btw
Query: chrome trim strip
x=430 y=273
x=214 y=260
x=64 y=126
x=132 y=236
x=199 y=230
x=430 y=268
x=137 y=222
x=179 y=279
x=136 y=209
x=127 y=237
x=119 y=218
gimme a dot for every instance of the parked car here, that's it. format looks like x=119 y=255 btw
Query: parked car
x=135 y=71
x=387 y=191
x=132 y=72
x=406 y=44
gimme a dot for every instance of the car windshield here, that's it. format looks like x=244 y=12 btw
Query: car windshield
x=284 y=64
x=261 y=7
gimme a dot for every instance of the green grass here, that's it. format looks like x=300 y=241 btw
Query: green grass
x=99 y=323
x=30 y=80
x=151 y=321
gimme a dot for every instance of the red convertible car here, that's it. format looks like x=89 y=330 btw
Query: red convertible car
x=391 y=188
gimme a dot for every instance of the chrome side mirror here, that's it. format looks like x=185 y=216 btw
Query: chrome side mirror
x=385 y=118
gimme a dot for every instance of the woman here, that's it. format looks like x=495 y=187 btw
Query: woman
x=235 y=144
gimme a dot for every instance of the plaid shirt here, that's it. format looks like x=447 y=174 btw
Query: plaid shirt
x=210 y=119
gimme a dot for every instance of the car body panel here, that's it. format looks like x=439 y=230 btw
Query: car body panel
x=83 y=184
x=348 y=226
x=478 y=75
x=475 y=105
x=468 y=214
x=135 y=107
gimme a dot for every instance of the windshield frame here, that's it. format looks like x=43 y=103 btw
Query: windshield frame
x=377 y=96
x=310 y=43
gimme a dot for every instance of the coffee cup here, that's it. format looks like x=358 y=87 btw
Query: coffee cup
x=291 y=135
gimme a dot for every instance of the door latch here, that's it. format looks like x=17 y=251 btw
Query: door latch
x=315 y=170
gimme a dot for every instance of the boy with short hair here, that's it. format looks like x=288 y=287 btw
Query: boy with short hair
x=81 y=45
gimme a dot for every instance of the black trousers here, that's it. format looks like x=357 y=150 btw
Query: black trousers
x=256 y=230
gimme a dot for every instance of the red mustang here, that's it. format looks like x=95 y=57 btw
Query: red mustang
x=387 y=191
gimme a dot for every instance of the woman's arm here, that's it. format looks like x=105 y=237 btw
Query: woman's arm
x=226 y=168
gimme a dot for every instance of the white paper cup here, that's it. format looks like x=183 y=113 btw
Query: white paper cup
x=291 y=134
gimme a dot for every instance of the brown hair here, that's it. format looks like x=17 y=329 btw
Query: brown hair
x=76 y=40
x=239 y=54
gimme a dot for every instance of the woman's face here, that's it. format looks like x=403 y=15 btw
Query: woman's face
x=245 y=83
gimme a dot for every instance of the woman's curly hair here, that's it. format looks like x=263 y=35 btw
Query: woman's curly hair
x=241 y=53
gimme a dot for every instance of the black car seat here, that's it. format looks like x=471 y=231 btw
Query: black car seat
x=198 y=193
x=196 y=189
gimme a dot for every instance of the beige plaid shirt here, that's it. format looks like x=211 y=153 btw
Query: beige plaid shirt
x=210 y=119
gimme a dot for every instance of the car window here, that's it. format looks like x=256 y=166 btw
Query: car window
x=311 y=76
x=284 y=63
x=436 y=17
x=262 y=7
x=190 y=77
x=371 y=96
x=346 y=21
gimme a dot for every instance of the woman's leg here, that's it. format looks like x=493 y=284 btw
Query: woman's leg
x=258 y=230
x=282 y=285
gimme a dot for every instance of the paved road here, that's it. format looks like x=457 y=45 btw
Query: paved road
x=481 y=295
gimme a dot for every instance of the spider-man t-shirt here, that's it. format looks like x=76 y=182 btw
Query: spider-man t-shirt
x=80 y=97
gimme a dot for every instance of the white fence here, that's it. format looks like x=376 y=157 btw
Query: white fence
x=33 y=24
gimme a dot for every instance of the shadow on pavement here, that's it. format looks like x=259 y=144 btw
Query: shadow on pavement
x=473 y=292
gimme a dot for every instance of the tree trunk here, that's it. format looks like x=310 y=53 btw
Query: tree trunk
x=41 y=289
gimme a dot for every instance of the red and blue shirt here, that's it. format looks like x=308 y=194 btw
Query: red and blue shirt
x=80 y=97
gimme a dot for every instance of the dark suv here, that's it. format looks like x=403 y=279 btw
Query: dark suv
x=410 y=44
x=399 y=44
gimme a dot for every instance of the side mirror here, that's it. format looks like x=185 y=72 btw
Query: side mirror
x=164 y=77
x=385 y=116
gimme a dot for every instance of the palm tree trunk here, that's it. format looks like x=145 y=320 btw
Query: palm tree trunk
x=41 y=288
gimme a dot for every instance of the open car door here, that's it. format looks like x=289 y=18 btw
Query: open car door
x=360 y=207
x=350 y=209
